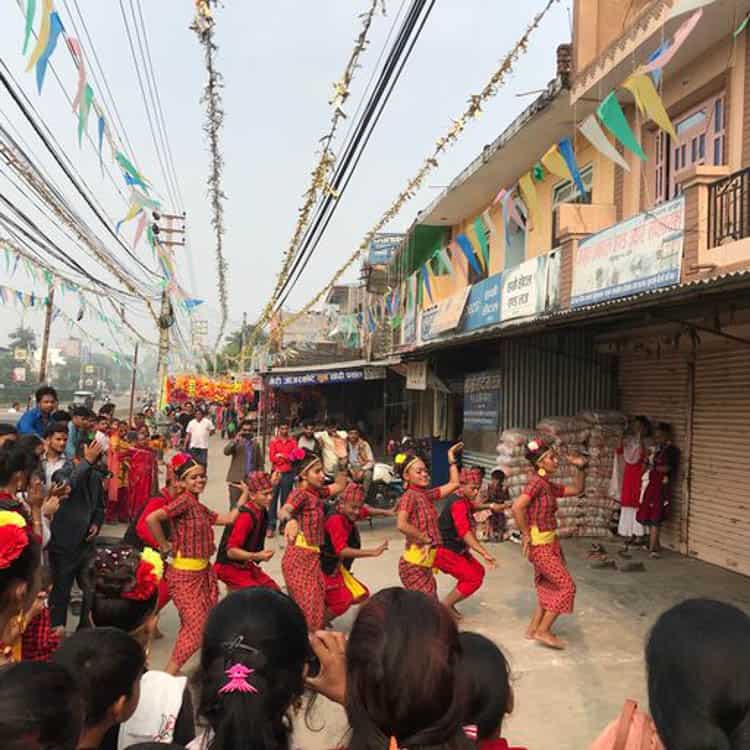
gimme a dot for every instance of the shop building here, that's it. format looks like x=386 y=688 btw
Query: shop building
x=625 y=287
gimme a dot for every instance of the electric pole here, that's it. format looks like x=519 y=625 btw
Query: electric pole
x=45 y=336
x=242 y=342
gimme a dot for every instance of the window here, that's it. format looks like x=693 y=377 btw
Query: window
x=567 y=192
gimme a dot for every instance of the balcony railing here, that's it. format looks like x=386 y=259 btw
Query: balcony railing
x=729 y=209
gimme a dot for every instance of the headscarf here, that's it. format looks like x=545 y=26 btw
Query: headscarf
x=183 y=464
x=257 y=481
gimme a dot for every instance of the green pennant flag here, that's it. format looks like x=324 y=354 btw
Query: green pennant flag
x=48 y=277
x=742 y=26
x=537 y=172
x=396 y=321
x=30 y=11
x=84 y=110
x=481 y=233
x=613 y=118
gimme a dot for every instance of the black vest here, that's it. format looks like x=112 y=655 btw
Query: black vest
x=254 y=541
x=329 y=560
x=131 y=535
x=448 y=532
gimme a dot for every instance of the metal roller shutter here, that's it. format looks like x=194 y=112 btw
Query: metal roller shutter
x=719 y=513
x=658 y=389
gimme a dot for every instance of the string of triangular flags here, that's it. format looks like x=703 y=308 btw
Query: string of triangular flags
x=50 y=30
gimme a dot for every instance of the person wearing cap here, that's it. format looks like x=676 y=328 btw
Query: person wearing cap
x=241 y=546
x=304 y=514
x=189 y=575
x=417 y=518
x=342 y=546
x=453 y=556
x=535 y=513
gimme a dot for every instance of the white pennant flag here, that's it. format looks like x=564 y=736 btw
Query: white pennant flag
x=594 y=134
x=686 y=6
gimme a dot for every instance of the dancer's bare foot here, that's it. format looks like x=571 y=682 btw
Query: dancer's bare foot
x=530 y=633
x=550 y=640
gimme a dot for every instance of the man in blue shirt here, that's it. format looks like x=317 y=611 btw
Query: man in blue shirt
x=35 y=420
x=81 y=419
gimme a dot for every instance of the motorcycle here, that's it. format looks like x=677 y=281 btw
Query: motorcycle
x=385 y=489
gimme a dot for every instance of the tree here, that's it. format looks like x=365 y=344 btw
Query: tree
x=22 y=338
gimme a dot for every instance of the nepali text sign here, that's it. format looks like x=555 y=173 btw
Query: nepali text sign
x=525 y=289
x=443 y=317
x=316 y=378
x=481 y=411
x=383 y=247
x=483 y=306
x=637 y=255
x=409 y=328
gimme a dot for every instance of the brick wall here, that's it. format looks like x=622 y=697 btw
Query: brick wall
x=567 y=249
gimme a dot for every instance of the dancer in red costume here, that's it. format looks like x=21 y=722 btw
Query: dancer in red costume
x=534 y=511
x=417 y=519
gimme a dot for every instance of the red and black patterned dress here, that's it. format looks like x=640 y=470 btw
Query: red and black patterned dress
x=657 y=497
x=555 y=587
x=301 y=562
x=194 y=591
x=419 y=505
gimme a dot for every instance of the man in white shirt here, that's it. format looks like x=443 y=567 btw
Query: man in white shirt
x=101 y=436
x=198 y=431
x=329 y=441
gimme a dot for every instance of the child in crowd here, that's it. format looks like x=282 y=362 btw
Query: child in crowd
x=106 y=664
x=417 y=519
x=126 y=596
x=142 y=473
x=341 y=547
x=305 y=513
x=456 y=530
x=40 y=639
x=254 y=656
x=241 y=546
x=190 y=577
x=490 y=695
x=39 y=701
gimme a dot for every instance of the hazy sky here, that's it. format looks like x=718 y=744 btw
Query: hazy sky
x=279 y=61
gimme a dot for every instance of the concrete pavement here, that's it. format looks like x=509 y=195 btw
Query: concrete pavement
x=563 y=699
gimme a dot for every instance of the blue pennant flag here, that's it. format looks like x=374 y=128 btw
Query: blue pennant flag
x=465 y=245
x=56 y=28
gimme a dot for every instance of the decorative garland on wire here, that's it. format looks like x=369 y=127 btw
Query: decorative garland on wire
x=475 y=101
x=203 y=25
x=326 y=163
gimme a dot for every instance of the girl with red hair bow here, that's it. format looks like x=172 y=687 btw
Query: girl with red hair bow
x=241 y=546
x=456 y=525
x=417 y=519
x=190 y=577
x=534 y=510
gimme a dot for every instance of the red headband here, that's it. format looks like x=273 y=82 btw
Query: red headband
x=257 y=481
x=470 y=475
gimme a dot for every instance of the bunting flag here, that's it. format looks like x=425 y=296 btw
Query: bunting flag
x=101 y=126
x=75 y=49
x=568 y=154
x=56 y=28
x=30 y=12
x=499 y=197
x=426 y=280
x=456 y=262
x=594 y=134
x=656 y=72
x=481 y=233
x=667 y=50
x=466 y=248
x=530 y=198
x=84 y=111
x=43 y=35
x=685 y=6
x=649 y=102
x=133 y=211
x=135 y=177
x=613 y=118
x=140 y=229
x=139 y=199
x=445 y=259
x=742 y=26
x=191 y=303
x=555 y=164
x=513 y=211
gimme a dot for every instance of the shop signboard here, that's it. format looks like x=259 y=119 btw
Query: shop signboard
x=409 y=328
x=374 y=372
x=416 y=376
x=637 y=255
x=524 y=293
x=481 y=411
x=427 y=323
x=483 y=306
x=327 y=377
x=382 y=248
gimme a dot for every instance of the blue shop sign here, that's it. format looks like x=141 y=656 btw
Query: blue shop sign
x=481 y=411
x=483 y=307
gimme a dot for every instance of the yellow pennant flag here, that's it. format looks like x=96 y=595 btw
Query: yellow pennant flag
x=528 y=193
x=43 y=37
x=649 y=102
x=555 y=164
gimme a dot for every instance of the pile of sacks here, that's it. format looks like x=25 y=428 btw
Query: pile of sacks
x=597 y=435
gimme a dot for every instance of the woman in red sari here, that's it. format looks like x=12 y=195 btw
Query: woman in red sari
x=142 y=474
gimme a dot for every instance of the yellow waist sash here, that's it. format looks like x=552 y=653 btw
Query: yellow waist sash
x=538 y=538
x=188 y=563
x=357 y=590
x=422 y=556
x=300 y=541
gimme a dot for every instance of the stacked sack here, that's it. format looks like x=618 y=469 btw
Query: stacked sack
x=566 y=434
x=511 y=458
x=605 y=430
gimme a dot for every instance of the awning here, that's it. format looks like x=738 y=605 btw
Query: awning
x=338 y=373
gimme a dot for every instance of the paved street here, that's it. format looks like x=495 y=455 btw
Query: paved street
x=562 y=699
